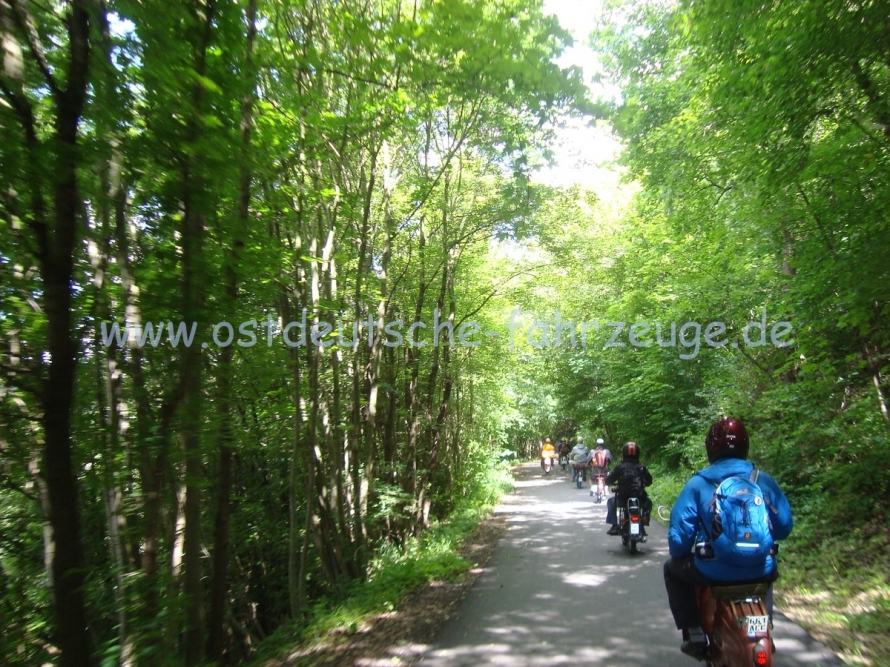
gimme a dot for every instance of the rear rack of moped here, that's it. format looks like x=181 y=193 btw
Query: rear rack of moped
x=740 y=591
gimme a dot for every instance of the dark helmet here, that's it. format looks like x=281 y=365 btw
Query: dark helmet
x=630 y=451
x=727 y=439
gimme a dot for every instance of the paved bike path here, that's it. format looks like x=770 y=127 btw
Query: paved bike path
x=559 y=591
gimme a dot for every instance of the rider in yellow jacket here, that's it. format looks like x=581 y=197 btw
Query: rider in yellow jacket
x=547 y=450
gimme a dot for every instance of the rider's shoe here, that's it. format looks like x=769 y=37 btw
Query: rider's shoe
x=695 y=649
x=614 y=530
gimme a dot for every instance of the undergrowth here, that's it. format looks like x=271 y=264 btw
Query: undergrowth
x=834 y=575
x=394 y=573
x=666 y=486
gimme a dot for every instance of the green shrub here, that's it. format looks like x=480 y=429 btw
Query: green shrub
x=395 y=571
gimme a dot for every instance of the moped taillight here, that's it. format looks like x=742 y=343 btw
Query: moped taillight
x=761 y=657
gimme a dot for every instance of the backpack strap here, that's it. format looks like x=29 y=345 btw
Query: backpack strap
x=755 y=475
x=712 y=504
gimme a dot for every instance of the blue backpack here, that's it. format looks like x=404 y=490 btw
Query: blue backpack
x=746 y=538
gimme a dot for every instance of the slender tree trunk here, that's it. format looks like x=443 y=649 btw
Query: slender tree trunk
x=219 y=584
x=190 y=438
x=444 y=404
x=109 y=399
x=297 y=548
x=421 y=486
x=56 y=239
x=871 y=353
x=367 y=452
x=194 y=205
x=49 y=544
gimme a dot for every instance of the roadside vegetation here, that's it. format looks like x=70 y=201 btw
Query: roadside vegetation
x=396 y=572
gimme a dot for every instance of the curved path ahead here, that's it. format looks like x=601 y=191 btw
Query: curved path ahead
x=559 y=591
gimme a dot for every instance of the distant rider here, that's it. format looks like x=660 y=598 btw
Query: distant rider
x=579 y=458
x=547 y=450
x=692 y=518
x=600 y=461
x=631 y=478
x=563 y=448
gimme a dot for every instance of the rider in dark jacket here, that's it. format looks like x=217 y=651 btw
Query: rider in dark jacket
x=632 y=478
x=563 y=448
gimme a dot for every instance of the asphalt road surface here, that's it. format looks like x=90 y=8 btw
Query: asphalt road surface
x=559 y=591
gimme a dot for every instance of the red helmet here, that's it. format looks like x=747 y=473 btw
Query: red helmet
x=727 y=439
x=631 y=450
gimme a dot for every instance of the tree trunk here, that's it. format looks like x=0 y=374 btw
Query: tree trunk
x=219 y=583
x=195 y=206
x=57 y=246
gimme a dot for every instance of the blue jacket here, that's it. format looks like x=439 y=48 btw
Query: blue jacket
x=692 y=509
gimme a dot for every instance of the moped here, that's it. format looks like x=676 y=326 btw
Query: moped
x=632 y=521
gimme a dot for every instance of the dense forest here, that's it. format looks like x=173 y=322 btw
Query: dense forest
x=278 y=287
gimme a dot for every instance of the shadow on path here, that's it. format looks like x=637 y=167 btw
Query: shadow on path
x=559 y=591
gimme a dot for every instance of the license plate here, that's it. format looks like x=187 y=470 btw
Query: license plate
x=756 y=625
x=634 y=529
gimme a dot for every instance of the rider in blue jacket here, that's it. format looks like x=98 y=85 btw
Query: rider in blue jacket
x=727 y=447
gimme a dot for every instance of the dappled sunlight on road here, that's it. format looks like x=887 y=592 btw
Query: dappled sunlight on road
x=555 y=576
x=584 y=579
x=553 y=480
x=559 y=591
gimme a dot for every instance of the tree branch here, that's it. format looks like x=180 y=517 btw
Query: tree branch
x=878 y=104
x=26 y=23
x=495 y=292
x=825 y=238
